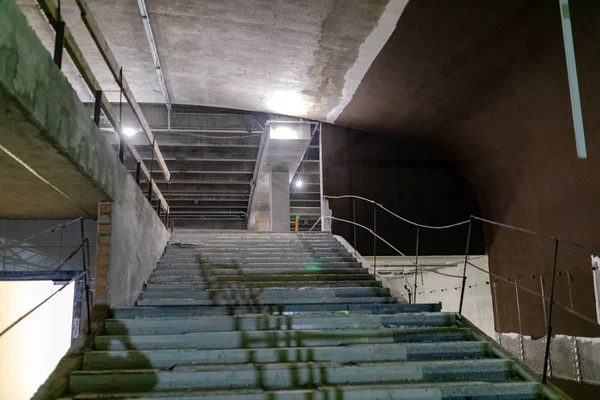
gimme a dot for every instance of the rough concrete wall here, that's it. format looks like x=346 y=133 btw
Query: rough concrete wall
x=433 y=288
x=58 y=120
x=45 y=124
x=138 y=239
x=487 y=82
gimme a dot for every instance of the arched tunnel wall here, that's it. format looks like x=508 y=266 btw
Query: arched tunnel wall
x=487 y=82
x=408 y=177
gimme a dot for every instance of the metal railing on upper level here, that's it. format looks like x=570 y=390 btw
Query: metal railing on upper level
x=64 y=38
x=548 y=314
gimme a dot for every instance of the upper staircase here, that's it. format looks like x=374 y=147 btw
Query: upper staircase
x=286 y=316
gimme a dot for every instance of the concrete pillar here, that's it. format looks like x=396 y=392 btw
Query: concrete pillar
x=279 y=201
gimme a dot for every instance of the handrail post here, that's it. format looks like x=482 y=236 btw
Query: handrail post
x=138 y=172
x=416 y=266
x=59 y=39
x=521 y=346
x=354 y=220
x=549 y=331
x=97 y=107
x=86 y=277
x=464 y=278
x=121 y=137
x=374 y=239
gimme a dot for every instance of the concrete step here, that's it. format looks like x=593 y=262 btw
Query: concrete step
x=285 y=338
x=291 y=309
x=175 y=325
x=272 y=246
x=169 y=359
x=257 y=252
x=264 y=264
x=287 y=375
x=281 y=252
x=175 y=286
x=230 y=259
x=476 y=390
x=217 y=271
x=261 y=278
x=269 y=293
x=258 y=300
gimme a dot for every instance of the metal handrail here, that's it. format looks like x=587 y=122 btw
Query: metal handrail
x=516 y=228
x=416 y=224
x=398 y=216
x=473 y=218
x=61 y=226
x=389 y=244
x=512 y=282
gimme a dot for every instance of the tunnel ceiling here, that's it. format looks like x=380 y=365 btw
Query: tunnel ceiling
x=483 y=80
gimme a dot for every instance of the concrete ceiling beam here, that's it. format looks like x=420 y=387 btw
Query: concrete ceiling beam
x=203 y=153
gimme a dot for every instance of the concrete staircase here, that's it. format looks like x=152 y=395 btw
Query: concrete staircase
x=286 y=316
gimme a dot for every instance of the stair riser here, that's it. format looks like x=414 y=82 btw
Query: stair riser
x=208 y=272
x=225 y=252
x=156 y=287
x=261 y=278
x=225 y=324
x=268 y=293
x=258 y=255
x=349 y=354
x=252 y=300
x=480 y=391
x=261 y=247
x=231 y=261
x=154 y=312
x=262 y=339
x=292 y=377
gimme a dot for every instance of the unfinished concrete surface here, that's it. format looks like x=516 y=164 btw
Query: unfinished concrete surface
x=277 y=56
x=63 y=145
x=70 y=167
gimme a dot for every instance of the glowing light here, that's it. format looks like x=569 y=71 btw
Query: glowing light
x=299 y=183
x=284 y=133
x=287 y=102
x=129 y=131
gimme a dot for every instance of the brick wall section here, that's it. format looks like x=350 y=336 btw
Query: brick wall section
x=103 y=252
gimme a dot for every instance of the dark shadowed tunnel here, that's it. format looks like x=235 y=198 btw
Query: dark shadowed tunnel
x=487 y=83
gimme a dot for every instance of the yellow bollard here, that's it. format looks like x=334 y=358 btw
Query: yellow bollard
x=256 y=224
x=297 y=222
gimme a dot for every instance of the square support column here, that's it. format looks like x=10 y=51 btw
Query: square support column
x=279 y=200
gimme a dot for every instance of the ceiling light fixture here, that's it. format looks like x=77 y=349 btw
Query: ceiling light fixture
x=299 y=183
x=287 y=102
x=129 y=132
x=283 y=133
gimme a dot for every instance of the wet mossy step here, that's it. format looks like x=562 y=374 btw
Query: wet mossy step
x=152 y=287
x=217 y=270
x=280 y=338
x=288 y=375
x=259 y=322
x=251 y=300
x=169 y=359
x=269 y=293
x=264 y=277
x=422 y=391
x=292 y=309
x=309 y=265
